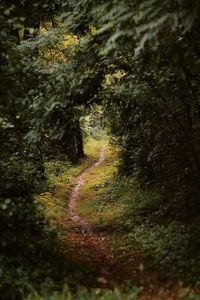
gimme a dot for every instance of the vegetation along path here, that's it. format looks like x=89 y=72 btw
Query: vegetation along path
x=75 y=193
x=101 y=264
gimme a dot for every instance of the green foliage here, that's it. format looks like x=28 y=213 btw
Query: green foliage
x=83 y=294
x=144 y=222
x=93 y=123
x=60 y=176
x=152 y=109
x=29 y=246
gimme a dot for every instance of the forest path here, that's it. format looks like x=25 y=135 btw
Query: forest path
x=85 y=227
x=99 y=266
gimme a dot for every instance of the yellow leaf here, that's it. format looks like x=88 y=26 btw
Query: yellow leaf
x=102 y=280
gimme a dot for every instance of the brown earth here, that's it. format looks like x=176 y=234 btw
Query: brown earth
x=99 y=265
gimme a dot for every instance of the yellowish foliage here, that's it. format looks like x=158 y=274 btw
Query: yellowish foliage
x=60 y=177
x=56 y=54
x=90 y=206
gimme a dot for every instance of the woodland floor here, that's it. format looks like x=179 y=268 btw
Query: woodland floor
x=105 y=267
x=91 y=247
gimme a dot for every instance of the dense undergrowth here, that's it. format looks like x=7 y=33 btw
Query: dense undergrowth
x=169 y=243
x=141 y=220
x=129 y=219
x=139 y=62
x=36 y=262
x=60 y=180
x=84 y=294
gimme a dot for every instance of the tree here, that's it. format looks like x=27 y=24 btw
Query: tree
x=153 y=108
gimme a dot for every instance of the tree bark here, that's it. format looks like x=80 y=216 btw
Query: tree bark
x=79 y=141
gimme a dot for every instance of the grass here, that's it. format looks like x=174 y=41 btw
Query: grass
x=60 y=180
x=135 y=220
x=131 y=220
x=83 y=294
x=61 y=176
x=90 y=206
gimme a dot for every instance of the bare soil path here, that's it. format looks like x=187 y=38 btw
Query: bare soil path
x=84 y=236
x=102 y=266
x=86 y=228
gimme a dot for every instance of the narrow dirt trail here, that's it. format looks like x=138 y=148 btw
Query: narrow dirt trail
x=84 y=236
x=86 y=228
x=101 y=266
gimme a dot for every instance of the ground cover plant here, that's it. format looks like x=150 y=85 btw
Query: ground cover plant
x=142 y=222
x=100 y=148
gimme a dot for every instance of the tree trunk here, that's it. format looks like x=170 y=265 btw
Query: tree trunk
x=79 y=141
